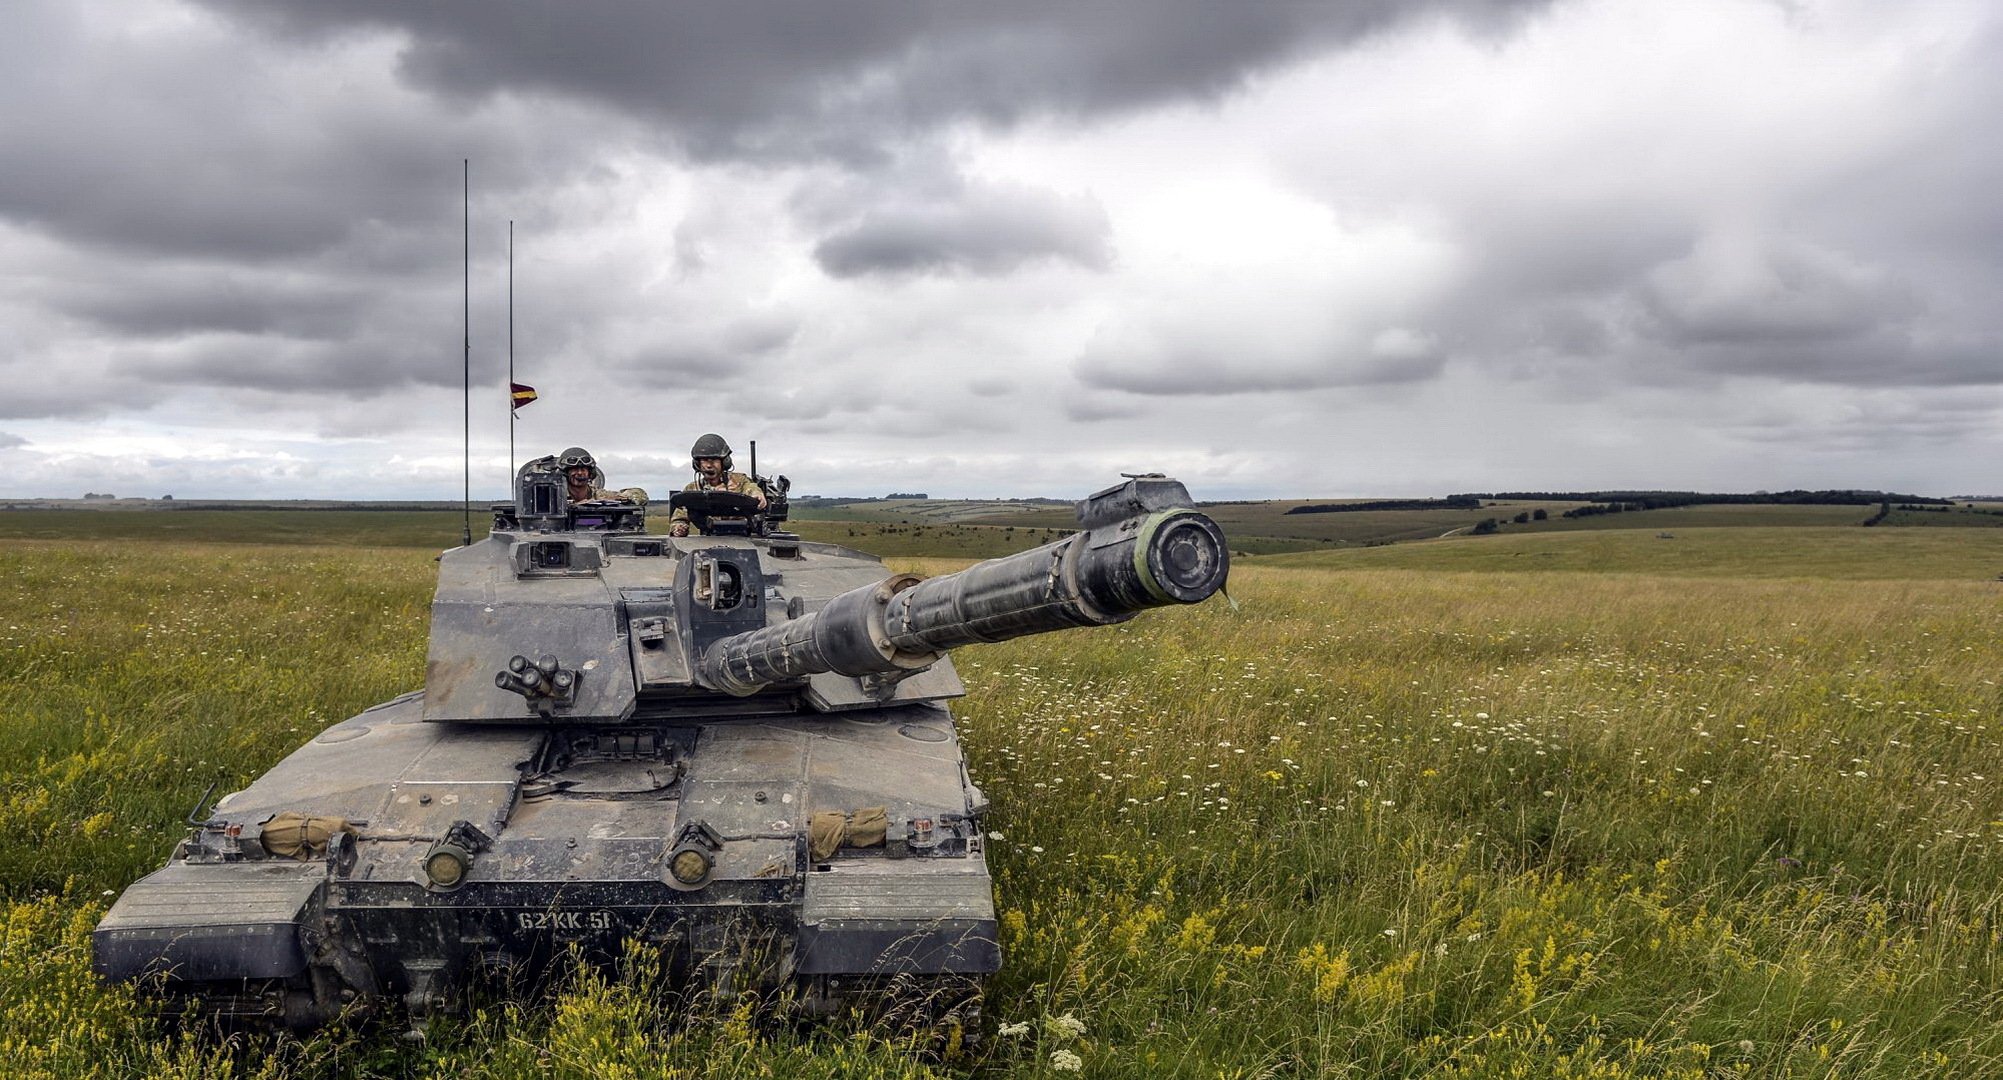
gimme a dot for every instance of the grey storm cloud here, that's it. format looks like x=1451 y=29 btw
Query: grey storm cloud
x=1887 y=420
x=918 y=231
x=1181 y=354
x=212 y=298
x=1087 y=410
x=184 y=142
x=74 y=398
x=1759 y=291
x=359 y=368
x=815 y=79
x=993 y=231
x=270 y=223
x=733 y=350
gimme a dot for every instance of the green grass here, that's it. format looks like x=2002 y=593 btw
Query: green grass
x=1267 y=523
x=1745 y=552
x=950 y=541
x=434 y=529
x=1717 y=516
x=1731 y=811
x=970 y=529
x=1981 y=517
x=927 y=511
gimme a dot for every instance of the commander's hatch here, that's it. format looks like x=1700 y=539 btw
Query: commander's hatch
x=725 y=593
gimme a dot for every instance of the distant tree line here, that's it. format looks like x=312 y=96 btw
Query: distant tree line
x=1932 y=509
x=905 y=495
x=1451 y=502
x=1596 y=509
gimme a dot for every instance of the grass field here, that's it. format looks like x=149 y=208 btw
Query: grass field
x=1266 y=527
x=1825 y=553
x=974 y=528
x=1718 y=806
x=430 y=529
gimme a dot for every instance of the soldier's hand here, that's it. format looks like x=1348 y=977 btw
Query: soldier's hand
x=679 y=528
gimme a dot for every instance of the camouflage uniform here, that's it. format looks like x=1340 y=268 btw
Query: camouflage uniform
x=632 y=495
x=737 y=482
x=599 y=491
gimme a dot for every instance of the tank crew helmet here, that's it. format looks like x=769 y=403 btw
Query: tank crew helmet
x=577 y=457
x=711 y=445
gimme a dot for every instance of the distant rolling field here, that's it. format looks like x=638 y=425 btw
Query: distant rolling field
x=1275 y=530
x=963 y=528
x=1258 y=527
x=1744 y=552
x=434 y=529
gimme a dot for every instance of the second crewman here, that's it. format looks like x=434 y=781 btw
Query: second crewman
x=710 y=457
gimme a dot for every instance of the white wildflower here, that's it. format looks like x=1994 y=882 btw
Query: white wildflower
x=1065 y=1061
x=1013 y=1031
x=1070 y=1025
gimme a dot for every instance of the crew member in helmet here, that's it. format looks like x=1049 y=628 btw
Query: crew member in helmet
x=710 y=457
x=584 y=480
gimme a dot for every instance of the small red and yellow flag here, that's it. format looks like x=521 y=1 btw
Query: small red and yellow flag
x=520 y=394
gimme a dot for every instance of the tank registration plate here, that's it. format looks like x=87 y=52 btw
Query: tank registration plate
x=575 y=921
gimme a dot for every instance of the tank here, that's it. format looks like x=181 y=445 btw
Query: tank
x=734 y=747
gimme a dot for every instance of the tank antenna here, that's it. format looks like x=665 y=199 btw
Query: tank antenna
x=511 y=347
x=466 y=328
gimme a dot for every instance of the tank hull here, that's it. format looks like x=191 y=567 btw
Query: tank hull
x=582 y=824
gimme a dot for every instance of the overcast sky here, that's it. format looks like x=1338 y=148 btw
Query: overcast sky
x=1275 y=248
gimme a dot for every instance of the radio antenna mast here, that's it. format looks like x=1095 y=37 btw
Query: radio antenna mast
x=511 y=348
x=466 y=328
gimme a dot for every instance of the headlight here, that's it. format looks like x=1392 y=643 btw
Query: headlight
x=446 y=867
x=690 y=866
x=451 y=855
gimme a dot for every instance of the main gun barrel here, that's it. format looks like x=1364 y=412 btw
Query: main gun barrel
x=1143 y=545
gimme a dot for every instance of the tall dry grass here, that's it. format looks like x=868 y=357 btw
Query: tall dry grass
x=1376 y=822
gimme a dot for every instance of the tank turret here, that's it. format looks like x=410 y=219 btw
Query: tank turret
x=733 y=746
x=520 y=629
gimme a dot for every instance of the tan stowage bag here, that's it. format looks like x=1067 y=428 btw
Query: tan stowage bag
x=825 y=832
x=867 y=826
x=830 y=829
x=293 y=835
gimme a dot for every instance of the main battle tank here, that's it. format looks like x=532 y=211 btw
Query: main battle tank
x=732 y=746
